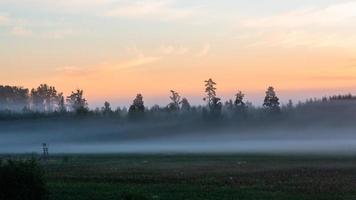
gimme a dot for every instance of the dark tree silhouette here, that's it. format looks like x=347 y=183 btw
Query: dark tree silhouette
x=77 y=102
x=271 y=101
x=155 y=108
x=229 y=105
x=106 y=110
x=342 y=97
x=210 y=91
x=239 y=104
x=175 y=98
x=137 y=105
x=13 y=98
x=216 y=106
x=290 y=105
x=61 y=104
x=239 y=97
x=213 y=102
x=185 y=106
x=45 y=98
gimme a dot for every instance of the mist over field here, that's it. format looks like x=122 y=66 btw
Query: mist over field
x=109 y=136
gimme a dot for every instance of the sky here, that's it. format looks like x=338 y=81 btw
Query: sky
x=114 y=49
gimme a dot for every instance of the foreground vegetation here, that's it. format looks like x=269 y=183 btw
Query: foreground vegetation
x=22 y=180
x=200 y=177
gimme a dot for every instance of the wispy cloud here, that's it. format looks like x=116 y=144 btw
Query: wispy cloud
x=62 y=3
x=15 y=27
x=328 y=16
x=204 y=51
x=103 y=68
x=59 y=34
x=299 y=38
x=3 y=19
x=173 y=50
x=82 y=2
x=313 y=27
x=75 y=71
x=26 y=28
x=149 y=9
x=138 y=61
x=21 y=31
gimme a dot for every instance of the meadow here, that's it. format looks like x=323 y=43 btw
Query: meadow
x=200 y=176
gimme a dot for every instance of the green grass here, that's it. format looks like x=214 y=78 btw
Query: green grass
x=203 y=177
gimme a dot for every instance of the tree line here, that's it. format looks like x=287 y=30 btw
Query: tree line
x=46 y=99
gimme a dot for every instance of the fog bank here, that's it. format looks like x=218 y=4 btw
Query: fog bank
x=155 y=140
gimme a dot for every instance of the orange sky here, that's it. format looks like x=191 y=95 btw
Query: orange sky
x=115 y=49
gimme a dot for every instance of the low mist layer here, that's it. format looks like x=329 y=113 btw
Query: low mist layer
x=110 y=136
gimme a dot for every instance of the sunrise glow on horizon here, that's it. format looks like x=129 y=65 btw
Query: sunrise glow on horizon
x=114 y=49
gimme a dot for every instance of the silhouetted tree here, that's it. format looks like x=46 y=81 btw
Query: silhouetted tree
x=229 y=105
x=118 y=112
x=97 y=111
x=271 y=101
x=290 y=105
x=185 y=106
x=216 y=106
x=175 y=98
x=155 y=108
x=13 y=98
x=210 y=91
x=61 y=104
x=239 y=104
x=342 y=97
x=213 y=102
x=45 y=98
x=106 y=110
x=288 y=108
x=239 y=97
x=137 y=105
x=56 y=104
x=77 y=102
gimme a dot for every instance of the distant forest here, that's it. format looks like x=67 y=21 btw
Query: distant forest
x=45 y=101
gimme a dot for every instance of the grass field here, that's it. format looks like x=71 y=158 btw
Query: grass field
x=109 y=177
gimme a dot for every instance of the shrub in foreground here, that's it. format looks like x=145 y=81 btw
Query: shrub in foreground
x=22 y=180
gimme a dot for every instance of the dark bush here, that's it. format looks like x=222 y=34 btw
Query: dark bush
x=22 y=180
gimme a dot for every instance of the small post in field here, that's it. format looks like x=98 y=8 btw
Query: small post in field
x=45 y=151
